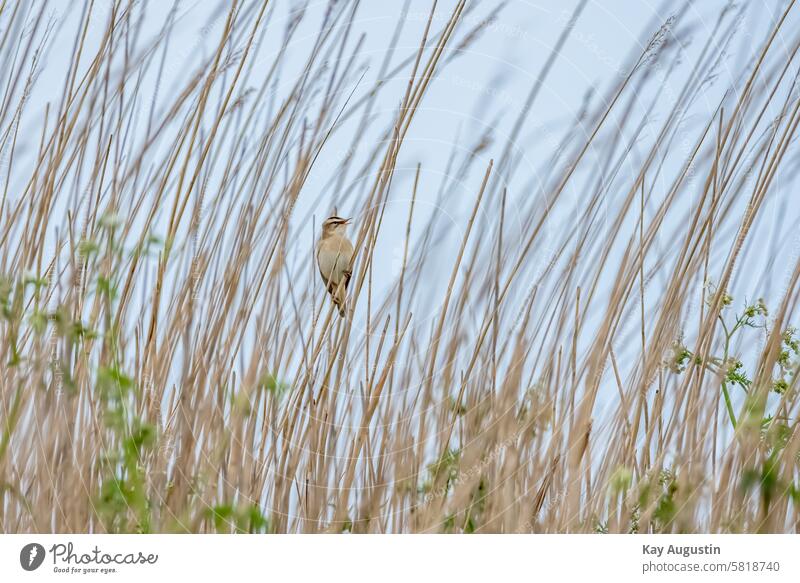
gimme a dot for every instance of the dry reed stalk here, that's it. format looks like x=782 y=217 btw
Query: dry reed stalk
x=170 y=364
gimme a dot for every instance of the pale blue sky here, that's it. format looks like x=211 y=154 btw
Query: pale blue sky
x=482 y=88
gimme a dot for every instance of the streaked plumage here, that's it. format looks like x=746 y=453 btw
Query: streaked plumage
x=334 y=259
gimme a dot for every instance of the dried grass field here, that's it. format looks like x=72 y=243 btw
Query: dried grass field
x=602 y=344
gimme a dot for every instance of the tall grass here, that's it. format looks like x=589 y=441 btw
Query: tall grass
x=170 y=361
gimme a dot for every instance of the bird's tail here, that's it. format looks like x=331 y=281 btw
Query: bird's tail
x=339 y=297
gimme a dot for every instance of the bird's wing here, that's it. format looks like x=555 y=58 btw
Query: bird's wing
x=347 y=272
x=347 y=275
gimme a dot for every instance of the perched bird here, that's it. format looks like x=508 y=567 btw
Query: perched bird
x=334 y=258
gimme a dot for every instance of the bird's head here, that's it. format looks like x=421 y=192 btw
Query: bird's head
x=333 y=225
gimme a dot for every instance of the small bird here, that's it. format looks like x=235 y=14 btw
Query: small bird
x=334 y=258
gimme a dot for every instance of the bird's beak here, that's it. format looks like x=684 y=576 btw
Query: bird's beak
x=348 y=221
